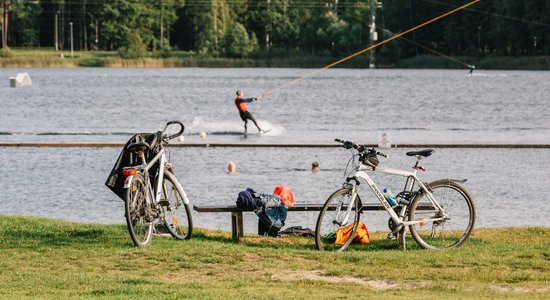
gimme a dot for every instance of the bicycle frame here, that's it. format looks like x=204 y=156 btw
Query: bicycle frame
x=360 y=172
x=156 y=188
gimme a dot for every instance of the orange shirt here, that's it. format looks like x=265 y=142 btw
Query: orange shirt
x=241 y=103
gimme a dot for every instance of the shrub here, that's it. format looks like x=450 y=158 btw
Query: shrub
x=238 y=44
x=6 y=52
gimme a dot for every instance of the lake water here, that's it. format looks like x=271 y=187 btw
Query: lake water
x=510 y=187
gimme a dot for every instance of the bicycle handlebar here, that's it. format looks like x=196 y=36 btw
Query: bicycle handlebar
x=177 y=134
x=359 y=148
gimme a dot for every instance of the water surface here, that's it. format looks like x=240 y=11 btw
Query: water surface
x=510 y=187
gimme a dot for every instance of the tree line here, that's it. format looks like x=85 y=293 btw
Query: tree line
x=261 y=28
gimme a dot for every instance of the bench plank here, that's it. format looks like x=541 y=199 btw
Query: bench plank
x=237 y=231
x=297 y=207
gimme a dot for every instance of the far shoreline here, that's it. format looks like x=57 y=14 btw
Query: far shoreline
x=33 y=58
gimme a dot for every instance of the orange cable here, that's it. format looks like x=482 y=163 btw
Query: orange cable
x=431 y=50
x=367 y=49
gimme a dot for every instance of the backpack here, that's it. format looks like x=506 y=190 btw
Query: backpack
x=249 y=198
x=271 y=216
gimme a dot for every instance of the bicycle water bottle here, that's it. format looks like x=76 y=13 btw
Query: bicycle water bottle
x=389 y=197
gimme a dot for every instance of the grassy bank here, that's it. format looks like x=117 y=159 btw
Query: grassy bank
x=25 y=58
x=47 y=258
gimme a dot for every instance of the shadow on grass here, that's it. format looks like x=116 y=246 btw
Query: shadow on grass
x=299 y=243
x=30 y=232
x=304 y=243
x=213 y=238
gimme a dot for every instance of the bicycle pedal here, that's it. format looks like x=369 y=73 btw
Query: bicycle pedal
x=164 y=202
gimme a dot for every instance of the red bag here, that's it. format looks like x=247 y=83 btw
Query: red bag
x=286 y=194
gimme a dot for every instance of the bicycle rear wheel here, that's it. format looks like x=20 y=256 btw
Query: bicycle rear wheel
x=333 y=219
x=455 y=228
x=177 y=214
x=138 y=212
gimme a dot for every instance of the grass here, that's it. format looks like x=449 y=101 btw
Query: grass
x=41 y=57
x=45 y=258
x=44 y=57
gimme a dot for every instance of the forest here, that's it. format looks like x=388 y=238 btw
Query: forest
x=278 y=28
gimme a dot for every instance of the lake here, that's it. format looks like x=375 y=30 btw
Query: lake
x=510 y=187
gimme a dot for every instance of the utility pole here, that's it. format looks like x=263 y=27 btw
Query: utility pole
x=267 y=27
x=83 y=27
x=216 y=27
x=62 y=39
x=5 y=17
x=375 y=4
x=479 y=40
x=56 y=26
x=96 y=34
x=72 y=50
x=161 y=24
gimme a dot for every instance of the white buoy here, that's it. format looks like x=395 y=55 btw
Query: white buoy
x=22 y=79
x=384 y=141
x=181 y=138
x=202 y=135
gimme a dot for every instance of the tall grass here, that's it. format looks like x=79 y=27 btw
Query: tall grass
x=49 y=58
x=44 y=258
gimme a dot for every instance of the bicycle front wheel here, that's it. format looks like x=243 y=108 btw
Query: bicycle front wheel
x=177 y=214
x=334 y=220
x=138 y=212
x=449 y=231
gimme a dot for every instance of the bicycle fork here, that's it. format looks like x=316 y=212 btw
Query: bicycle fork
x=346 y=215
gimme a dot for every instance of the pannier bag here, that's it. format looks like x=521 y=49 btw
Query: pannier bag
x=115 y=181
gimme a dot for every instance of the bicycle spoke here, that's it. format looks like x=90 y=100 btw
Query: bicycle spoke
x=137 y=212
x=332 y=221
x=177 y=214
x=452 y=230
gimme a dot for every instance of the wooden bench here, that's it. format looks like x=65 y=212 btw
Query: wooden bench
x=237 y=213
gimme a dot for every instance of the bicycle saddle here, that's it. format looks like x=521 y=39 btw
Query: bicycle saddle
x=424 y=153
x=138 y=147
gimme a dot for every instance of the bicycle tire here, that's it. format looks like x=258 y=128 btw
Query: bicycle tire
x=330 y=220
x=449 y=233
x=140 y=227
x=177 y=214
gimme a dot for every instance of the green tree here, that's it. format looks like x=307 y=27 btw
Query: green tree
x=137 y=26
x=208 y=23
x=24 y=23
x=238 y=43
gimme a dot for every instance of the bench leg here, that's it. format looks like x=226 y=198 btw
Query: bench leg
x=236 y=226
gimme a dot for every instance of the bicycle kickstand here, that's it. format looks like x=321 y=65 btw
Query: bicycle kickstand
x=403 y=238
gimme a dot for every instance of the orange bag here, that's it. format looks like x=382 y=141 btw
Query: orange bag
x=361 y=234
x=286 y=194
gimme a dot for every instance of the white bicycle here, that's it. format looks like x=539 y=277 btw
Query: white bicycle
x=153 y=194
x=438 y=215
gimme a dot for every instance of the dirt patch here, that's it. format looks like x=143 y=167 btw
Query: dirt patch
x=522 y=289
x=383 y=284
